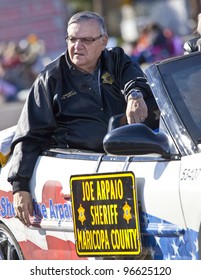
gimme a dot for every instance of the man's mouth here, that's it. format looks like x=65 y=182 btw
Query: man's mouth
x=79 y=54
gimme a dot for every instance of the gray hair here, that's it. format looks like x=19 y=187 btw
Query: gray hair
x=87 y=15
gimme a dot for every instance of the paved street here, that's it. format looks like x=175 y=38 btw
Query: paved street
x=9 y=113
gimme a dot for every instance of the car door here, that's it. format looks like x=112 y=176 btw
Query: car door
x=161 y=217
x=190 y=192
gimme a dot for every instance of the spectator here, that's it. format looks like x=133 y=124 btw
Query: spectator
x=155 y=44
x=19 y=65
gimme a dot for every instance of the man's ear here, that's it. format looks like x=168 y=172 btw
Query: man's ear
x=105 y=41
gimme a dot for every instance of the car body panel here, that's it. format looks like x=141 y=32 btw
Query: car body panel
x=190 y=183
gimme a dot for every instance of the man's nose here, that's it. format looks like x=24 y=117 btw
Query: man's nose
x=79 y=43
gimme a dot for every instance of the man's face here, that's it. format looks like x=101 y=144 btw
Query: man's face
x=84 y=52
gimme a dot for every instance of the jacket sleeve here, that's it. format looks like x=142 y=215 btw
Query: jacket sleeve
x=34 y=129
x=128 y=74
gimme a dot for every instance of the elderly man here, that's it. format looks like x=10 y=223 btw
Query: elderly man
x=72 y=97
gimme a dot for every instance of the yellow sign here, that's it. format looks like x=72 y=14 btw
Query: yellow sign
x=105 y=214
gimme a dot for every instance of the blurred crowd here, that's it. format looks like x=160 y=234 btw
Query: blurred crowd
x=156 y=43
x=20 y=63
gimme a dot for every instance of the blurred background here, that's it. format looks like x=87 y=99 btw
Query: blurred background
x=32 y=34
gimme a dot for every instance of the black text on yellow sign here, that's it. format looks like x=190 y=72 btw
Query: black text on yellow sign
x=105 y=214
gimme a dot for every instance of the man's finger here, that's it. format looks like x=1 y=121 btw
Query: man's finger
x=136 y=111
x=26 y=219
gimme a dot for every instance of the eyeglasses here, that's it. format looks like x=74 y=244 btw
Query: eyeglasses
x=85 y=40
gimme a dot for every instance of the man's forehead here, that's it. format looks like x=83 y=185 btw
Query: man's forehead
x=87 y=26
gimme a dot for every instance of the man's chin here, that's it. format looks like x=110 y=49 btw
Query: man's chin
x=80 y=64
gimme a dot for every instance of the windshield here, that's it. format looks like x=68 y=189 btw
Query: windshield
x=182 y=80
x=188 y=82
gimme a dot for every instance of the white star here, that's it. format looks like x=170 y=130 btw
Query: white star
x=160 y=228
x=175 y=248
x=193 y=256
x=196 y=245
x=158 y=241
x=181 y=238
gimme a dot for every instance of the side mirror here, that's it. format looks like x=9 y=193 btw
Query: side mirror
x=136 y=139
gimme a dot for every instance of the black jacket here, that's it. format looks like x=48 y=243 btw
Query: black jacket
x=62 y=111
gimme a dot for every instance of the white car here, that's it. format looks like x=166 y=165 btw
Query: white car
x=140 y=199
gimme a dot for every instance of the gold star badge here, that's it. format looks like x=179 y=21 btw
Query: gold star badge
x=107 y=79
x=127 y=212
x=3 y=159
x=81 y=216
x=157 y=113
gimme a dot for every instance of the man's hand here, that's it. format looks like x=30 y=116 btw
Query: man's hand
x=23 y=206
x=136 y=111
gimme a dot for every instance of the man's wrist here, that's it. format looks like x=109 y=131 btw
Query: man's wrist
x=20 y=185
x=135 y=94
